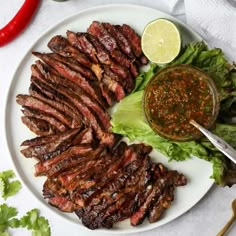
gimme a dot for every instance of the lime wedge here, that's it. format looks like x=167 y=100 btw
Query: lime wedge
x=161 y=41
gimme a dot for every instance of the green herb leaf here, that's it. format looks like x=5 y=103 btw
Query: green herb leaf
x=8 y=188
x=38 y=224
x=4 y=234
x=6 y=217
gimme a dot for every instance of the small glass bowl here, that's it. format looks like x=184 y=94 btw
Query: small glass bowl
x=199 y=75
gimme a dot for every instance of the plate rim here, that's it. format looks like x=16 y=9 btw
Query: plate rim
x=11 y=86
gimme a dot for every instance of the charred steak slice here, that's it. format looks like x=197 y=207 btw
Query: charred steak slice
x=39 y=126
x=56 y=102
x=30 y=112
x=77 y=97
x=61 y=46
x=72 y=75
x=44 y=151
x=34 y=103
x=123 y=43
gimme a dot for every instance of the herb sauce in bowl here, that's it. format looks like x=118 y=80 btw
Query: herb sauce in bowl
x=176 y=95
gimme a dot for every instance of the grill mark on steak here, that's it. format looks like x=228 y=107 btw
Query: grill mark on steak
x=132 y=37
x=161 y=205
x=127 y=84
x=72 y=162
x=78 y=98
x=101 y=53
x=86 y=177
x=46 y=149
x=114 y=86
x=55 y=102
x=113 y=171
x=73 y=76
x=97 y=29
x=30 y=112
x=62 y=203
x=107 y=193
x=79 y=40
x=119 y=201
x=156 y=191
x=38 y=126
x=59 y=162
x=104 y=58
x=61 y=46
x=78 y=147
x=120 y=39
x=34 y=103
x=74 y=65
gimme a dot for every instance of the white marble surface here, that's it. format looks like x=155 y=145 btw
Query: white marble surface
x=205 y=219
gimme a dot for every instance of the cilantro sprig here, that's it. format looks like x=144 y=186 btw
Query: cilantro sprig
x=38 y=225
x=8 y=188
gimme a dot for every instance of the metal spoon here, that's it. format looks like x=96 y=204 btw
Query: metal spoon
x=218 y=142
x=230 y=222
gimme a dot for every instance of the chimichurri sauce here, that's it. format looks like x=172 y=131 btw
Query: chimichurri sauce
x=177 y=97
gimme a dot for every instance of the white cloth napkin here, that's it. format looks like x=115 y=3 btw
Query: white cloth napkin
x=214 y=20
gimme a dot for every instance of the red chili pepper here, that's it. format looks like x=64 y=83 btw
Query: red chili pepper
x=19 y=21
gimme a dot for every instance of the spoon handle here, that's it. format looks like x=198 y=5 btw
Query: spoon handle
x=218 y=142
x=227 y=226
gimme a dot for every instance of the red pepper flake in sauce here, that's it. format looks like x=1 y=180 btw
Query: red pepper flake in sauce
x=174 y=97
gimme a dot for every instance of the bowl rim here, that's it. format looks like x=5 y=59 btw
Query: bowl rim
x=215 y=96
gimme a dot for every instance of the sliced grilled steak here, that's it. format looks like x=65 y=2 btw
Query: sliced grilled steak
x=52 y=187
x=113 y=86
x=123 y=43
x=74 y=65
x=159 y=207
x=62 y=161
x=156 y=191
x=56 y=102
x=133 y=38
x=107 y=193
x=78 y=98
x=30 y=112
x=60 y=45
x=34 y=103
x=98 y=30
x=44 y=151
x=73 y=76
x=40 y=140
x=80 y=41
x=62 y=203
x=113 y=172
x=49 y=75
x=101 y=52
x=119 y=203
x=39 y=126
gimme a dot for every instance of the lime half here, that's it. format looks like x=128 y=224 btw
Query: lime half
x=161 y=41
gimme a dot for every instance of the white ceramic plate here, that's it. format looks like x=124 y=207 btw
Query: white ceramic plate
x=197 y=171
